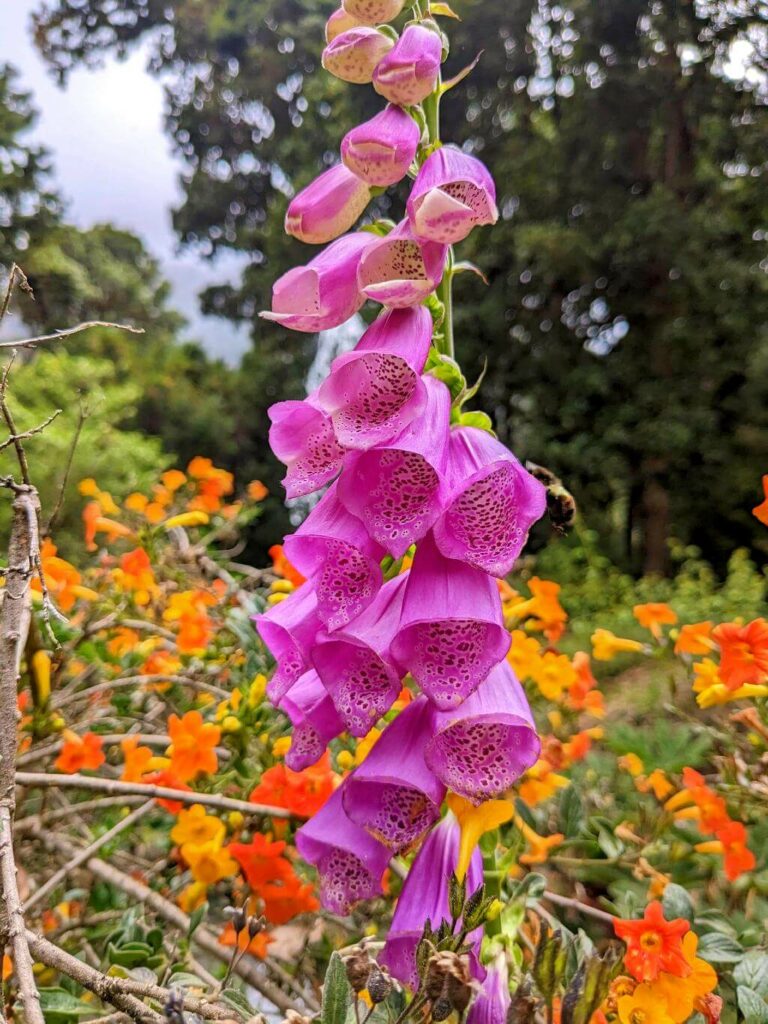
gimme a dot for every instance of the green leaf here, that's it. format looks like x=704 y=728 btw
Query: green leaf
x=589 y=986
x=131 y=954
x=478 y=419
x=752 y=1005
x=677 y=903
x=195 y=919
x=336 y=992
x=719 y=949
x=235 y=998
x=609 y=844
x=752 y=972
x=443 y=10
x=571 y=811
x=58 y=1005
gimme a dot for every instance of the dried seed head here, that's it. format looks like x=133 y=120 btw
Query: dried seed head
x=239 y=920
x=358 y=966
x=379 y=984
x=256 y=925
x=448 y=979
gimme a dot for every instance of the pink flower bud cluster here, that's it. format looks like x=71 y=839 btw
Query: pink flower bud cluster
x=400 y=474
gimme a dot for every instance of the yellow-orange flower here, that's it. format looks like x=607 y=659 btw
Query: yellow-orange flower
x=96 y=523
x=761 y=511
x=63 y=581
x=256 y=490
x=173 y=479
x=524 y=654
x=544 y=608
x=606 y=645
x=646 y=1005
x=209 y=862
x=553 y=674
x=138 y=760
x=192 y=896
x=654 y=615
x=192 y=746
x=540 y=782
x=474 y=822
x=743 y=652
x=136 y=574
x=539 y=847
x=282 y=567
x=694 y=638
x=188 y=610
x=196 y=826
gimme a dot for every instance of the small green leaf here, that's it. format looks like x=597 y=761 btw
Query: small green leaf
x=478 y=419
x=196 y=918
x=237 y=1001
x=571 y=811
x=59 y=1006
x=719 y=949
x=752 y=1005
x=753 y=972
x=443 y=10
x=677 y=903
x=336 y=992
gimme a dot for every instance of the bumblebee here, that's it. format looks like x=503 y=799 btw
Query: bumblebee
x=561 y=506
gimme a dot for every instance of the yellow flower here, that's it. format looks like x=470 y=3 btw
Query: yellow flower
x=187 y=519
x=646 y=1005
x=606 y=645
x=474 y=822
x=345 y=760
x=235 y=820
x=209 y=862
x=660 y=785
x=631 y=763
x=553 y=674
x=197 y=826
x=231 y=724
x=524 y=654
x=274 y=599
x=540 y=782
x=538 y=846
x=192 y=896
x=281 y=746
x=257 y=690
x=282 y=587
x=365 y=745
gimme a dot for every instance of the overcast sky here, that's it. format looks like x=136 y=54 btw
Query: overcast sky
x=113 y=162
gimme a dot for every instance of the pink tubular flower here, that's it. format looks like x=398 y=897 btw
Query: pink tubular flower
x=393 y=795
x=484 y=745
x=302 y=437
x=493 y=504
x=353 y=55
x=375 y=391
x=340 y=21
x=397 y=488
x=314 y=720
x=324 y=293
x=424 y=897
x=452 y=630
x=327 y=207
x=350 y=862
x=452 y=194
x=333 y=549
x=398 y=270
x=289 y=630
x=354 y=663
x=373 y=12
x=381 y=150
x=408 y=73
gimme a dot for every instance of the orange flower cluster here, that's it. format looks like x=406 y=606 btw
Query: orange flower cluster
x=283 y=568
x=213 y=484
x=698 y=802
x=303 y=793
x=62 y=580
x=271 y=876
x=668 y=980
x=136 y=575
x=188 y=612
x=192 y=750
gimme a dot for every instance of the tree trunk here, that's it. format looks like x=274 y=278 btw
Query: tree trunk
x=655 y=526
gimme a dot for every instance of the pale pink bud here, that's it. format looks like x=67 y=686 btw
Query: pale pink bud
x=399 y=271
x=327 y=207
x=381 y=150
x=408 y=73
x=353 y=55
x=452 y=194
x=373 y=12
x=324 y=293
x=340 y=21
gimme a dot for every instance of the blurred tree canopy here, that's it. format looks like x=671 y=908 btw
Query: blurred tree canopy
x=625 y=322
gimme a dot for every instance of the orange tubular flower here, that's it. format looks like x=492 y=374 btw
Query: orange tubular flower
x=192 y=746
x=95 y=523
x=256 y=490
x=743 y=652
x=261 y=860
x=695 y=638
x=80 y=753
x=188 y=610
x=136 y=574
x=761 y=511
x=63 y=581
x=168 y=780
x=737 y=857
x=606 y=645
x=138 y=760
x=653 y=616
x=583 y=694
x=303 y=793
x=654 y=944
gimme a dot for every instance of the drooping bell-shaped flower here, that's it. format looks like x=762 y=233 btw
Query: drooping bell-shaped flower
x=453 y=193
x=397 y=270
x=302 y=437
x=327 y=207
x=314 y=719
x=375 y=391
x=392 y=794
x=494 y=502
x=349 y=861
x=333 y=549
x=373 y=12
x=492 y=1002
x=484 y=745
x=397 y=488
x=289 y=630
x=381 y=150
x=340 y=21
x=353 y=55
x=355 y=665
x=410 y=70
x=452 y=630
x=424 y=897
x=324 y=293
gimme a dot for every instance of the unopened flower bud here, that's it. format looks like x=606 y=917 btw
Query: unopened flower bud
x=379 y=984
x=239 y=920
x=408 y=73
x=354 y=55
x=256 y=925
x=327 y=207
x=340 y=21
x=381 y=150
x=373 y=12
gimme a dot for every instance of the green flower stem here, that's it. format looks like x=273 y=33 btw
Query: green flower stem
x=492 y=879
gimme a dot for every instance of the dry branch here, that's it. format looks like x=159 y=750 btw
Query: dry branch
x=57 y=335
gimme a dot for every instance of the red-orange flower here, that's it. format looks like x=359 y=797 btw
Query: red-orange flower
x=654 y=944
x=167 y=780
x=282 y=567
x=137 y=760
x=694 y=638
x=261 y=860
x=737 y=857
x=192 y=746
x=62 y=579
x=303 y=793
x=188 y=610
x=713 y=813
x=285 y=899
x=80 y=753
x=761 y=511
x=743 y=652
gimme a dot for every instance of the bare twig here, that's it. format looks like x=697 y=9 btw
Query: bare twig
x=59 y=504
x=57 y=335
x=115 y=786
x=17 y=580
x=82 y=855
x=582 y=908
x=14 y=438
x=22 y=825
x=146 y=680
x=15 y=277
